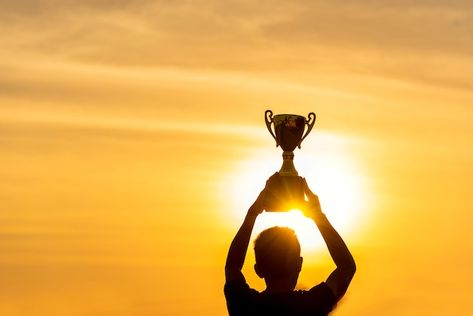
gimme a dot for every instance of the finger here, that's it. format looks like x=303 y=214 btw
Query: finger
x=306 y=189
x=271 y=178
x=261 y=194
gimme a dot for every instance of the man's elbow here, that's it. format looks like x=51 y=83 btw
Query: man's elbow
x=351 y=268
x=232 y=274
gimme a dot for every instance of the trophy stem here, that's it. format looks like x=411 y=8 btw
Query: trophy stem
x=287 y=168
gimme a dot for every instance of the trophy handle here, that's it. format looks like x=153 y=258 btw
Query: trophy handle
x=268 y=118
x=310 y=123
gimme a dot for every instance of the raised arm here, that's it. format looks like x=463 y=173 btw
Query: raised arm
x=237 y=252
x=340 y=278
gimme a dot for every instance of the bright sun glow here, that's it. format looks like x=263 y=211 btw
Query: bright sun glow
x=330 y=173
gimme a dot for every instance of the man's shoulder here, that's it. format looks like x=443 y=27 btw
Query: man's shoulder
x=319 y=291
x=319 y=300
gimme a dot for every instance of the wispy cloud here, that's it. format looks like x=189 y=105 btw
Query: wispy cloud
x=302 y=39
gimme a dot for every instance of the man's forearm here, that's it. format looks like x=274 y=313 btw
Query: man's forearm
x=238 y=248
x=335 y=244
x=339 y=280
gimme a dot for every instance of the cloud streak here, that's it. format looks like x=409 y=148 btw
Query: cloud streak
x=407 y=40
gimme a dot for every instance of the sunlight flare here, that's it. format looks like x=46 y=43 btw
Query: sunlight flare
x=332 y=174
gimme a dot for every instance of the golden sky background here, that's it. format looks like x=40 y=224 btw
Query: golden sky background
x=127 y=129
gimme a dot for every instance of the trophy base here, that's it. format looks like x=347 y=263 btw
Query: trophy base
x=284 y=193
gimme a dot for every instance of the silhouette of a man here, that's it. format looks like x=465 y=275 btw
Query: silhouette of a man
x=278 y=262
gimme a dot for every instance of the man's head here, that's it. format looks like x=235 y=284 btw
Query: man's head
x=277 y=252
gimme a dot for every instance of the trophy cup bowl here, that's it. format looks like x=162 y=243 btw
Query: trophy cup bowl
x=285 y=188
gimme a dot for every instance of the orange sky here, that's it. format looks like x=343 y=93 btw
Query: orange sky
x=127 y=129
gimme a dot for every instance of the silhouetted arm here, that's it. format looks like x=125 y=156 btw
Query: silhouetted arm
x=239 y=246
x=340 y=278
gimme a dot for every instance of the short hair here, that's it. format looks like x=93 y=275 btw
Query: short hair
x=277 y=252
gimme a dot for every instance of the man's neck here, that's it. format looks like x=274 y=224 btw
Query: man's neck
x=280 y=285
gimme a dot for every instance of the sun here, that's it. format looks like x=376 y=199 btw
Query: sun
x=331 y=174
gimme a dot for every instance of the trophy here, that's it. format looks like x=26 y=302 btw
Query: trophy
x=285 y=188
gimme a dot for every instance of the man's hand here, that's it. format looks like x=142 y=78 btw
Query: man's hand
x=312 y=208
x=258 y=206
